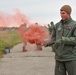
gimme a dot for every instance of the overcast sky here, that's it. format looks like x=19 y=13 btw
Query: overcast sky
x=42 y=11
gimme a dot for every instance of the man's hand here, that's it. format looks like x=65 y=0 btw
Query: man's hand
x=57 y=43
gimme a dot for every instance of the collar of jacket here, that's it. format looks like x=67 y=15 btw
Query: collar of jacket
x=68 y=21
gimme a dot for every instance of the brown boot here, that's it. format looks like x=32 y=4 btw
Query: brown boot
x=24 y=50
x=39 y=47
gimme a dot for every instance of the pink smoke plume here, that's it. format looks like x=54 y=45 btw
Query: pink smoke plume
x=15 y=20
x=29 y=32
x=33 y=33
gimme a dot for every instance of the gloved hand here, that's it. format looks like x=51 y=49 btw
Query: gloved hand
x=57 y=43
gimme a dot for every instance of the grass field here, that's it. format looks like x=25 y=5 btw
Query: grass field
x=8 y=38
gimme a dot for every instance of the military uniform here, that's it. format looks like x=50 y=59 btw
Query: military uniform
x=65 y=48
x=63 y=42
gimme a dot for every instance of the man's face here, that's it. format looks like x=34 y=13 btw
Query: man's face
x=64 y=15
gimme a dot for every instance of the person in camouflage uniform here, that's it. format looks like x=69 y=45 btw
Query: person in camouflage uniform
x=64 y=44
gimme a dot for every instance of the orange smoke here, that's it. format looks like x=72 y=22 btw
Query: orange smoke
x=15 y=20
x=19 y=17
x=34 y=33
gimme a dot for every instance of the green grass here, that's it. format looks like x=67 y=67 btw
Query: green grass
x=8 y=38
